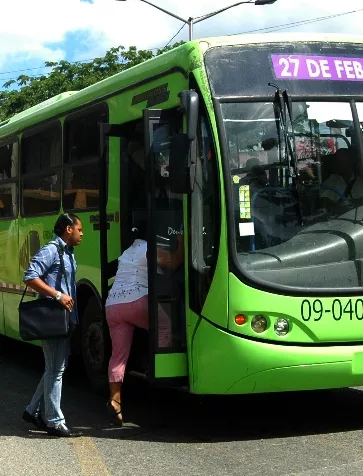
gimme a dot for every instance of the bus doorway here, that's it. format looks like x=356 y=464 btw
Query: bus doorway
x=145 y=199
x=167 y=343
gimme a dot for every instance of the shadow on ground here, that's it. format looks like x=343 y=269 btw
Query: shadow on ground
x=169 y=415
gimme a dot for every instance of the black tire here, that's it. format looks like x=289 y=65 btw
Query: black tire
x=95 y=353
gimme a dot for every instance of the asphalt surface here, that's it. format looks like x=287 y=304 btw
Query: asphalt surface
x=169 y=432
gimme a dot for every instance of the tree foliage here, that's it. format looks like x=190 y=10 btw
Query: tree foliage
x=65 y=76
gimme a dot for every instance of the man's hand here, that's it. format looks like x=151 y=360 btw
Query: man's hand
x=67 y=302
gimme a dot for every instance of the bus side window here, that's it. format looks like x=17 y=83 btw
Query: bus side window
x=8 y=182
x=81 y=157
x=40 y=169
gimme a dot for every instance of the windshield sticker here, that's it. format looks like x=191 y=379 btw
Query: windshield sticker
x=246 y=229
x=244 y=202
x=331 y=68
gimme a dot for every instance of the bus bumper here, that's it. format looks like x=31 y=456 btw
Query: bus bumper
x=228 y=364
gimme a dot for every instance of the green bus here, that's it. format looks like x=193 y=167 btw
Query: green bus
x=243 y=155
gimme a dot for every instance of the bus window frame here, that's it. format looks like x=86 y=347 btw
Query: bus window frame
x=103 y=107
x=197 y=302
x=15 y=179
x=56 y=123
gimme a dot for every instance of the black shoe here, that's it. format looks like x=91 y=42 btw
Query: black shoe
x=63 y=431
x=116 y=414
x=37 y=421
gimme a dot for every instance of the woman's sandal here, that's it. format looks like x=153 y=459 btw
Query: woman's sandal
x=115 y=413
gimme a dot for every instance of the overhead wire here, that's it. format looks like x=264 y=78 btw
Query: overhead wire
x=285 y=26
x=46 y=67
x=176 y=34
x=42 y=67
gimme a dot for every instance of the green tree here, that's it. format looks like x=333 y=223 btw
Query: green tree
x=65 y=76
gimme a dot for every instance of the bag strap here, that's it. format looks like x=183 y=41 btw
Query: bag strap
x=60 y=254
x=22 y=297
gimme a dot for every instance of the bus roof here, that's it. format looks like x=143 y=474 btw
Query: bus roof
x=38 y=107
x=72 y=99
x=279 y=38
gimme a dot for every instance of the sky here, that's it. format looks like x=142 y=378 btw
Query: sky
x=36 y=31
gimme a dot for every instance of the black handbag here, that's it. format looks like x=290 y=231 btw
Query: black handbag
x=44 y=318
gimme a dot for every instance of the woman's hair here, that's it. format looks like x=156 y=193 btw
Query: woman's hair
x=139 y=231
x=67 y=219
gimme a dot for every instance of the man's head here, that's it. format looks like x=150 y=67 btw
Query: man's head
x=252 y=162
x=69 y=228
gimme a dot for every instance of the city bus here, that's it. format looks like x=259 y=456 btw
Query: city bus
x=243 y=156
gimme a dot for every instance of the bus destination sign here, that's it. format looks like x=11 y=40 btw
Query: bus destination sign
x=331 y=68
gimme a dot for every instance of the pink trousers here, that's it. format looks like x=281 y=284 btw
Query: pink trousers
x=121 y=320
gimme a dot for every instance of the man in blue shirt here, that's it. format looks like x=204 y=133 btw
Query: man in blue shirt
x=45 y=275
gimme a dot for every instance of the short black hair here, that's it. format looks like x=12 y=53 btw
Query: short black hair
x=139 y=230
x=67 y=219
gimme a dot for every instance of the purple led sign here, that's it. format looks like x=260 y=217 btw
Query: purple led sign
x=327 y=68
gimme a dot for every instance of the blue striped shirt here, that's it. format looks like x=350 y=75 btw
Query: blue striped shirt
x=46 y=265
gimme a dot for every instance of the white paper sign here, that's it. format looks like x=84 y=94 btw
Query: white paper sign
x=246 y=229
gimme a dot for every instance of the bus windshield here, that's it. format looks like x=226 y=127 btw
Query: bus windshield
x=297 y=216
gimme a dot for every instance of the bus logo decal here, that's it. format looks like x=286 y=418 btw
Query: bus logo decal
x=152 y=96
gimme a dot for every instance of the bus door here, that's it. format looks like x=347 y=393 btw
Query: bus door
x=167 y=345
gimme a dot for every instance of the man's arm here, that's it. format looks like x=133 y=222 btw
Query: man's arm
x=41 y=287
x=38 y=266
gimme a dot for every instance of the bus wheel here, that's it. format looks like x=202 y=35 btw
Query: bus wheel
x=94 y=345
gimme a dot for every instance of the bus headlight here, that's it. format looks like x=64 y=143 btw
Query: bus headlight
x=259 y=324
x=281 y=326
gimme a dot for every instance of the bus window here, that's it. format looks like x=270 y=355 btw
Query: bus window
x=81 y=156
x=8 y=174
x=132 y=179
x=135 y=154
x=40 y=167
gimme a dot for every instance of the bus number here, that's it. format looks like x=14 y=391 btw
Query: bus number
x=286 y=63
x=314 y=310
x=337 y=309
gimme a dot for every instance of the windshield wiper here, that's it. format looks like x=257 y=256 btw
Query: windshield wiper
x=357 y=132
x=283 y=112
x=290 y=136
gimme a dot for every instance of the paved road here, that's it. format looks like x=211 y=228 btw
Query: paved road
x=171 y=433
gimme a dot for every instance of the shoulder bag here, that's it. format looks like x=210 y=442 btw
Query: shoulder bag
x=44 y=318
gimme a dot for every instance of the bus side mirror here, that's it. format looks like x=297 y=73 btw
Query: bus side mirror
x=179 y=162
x=189 y=105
